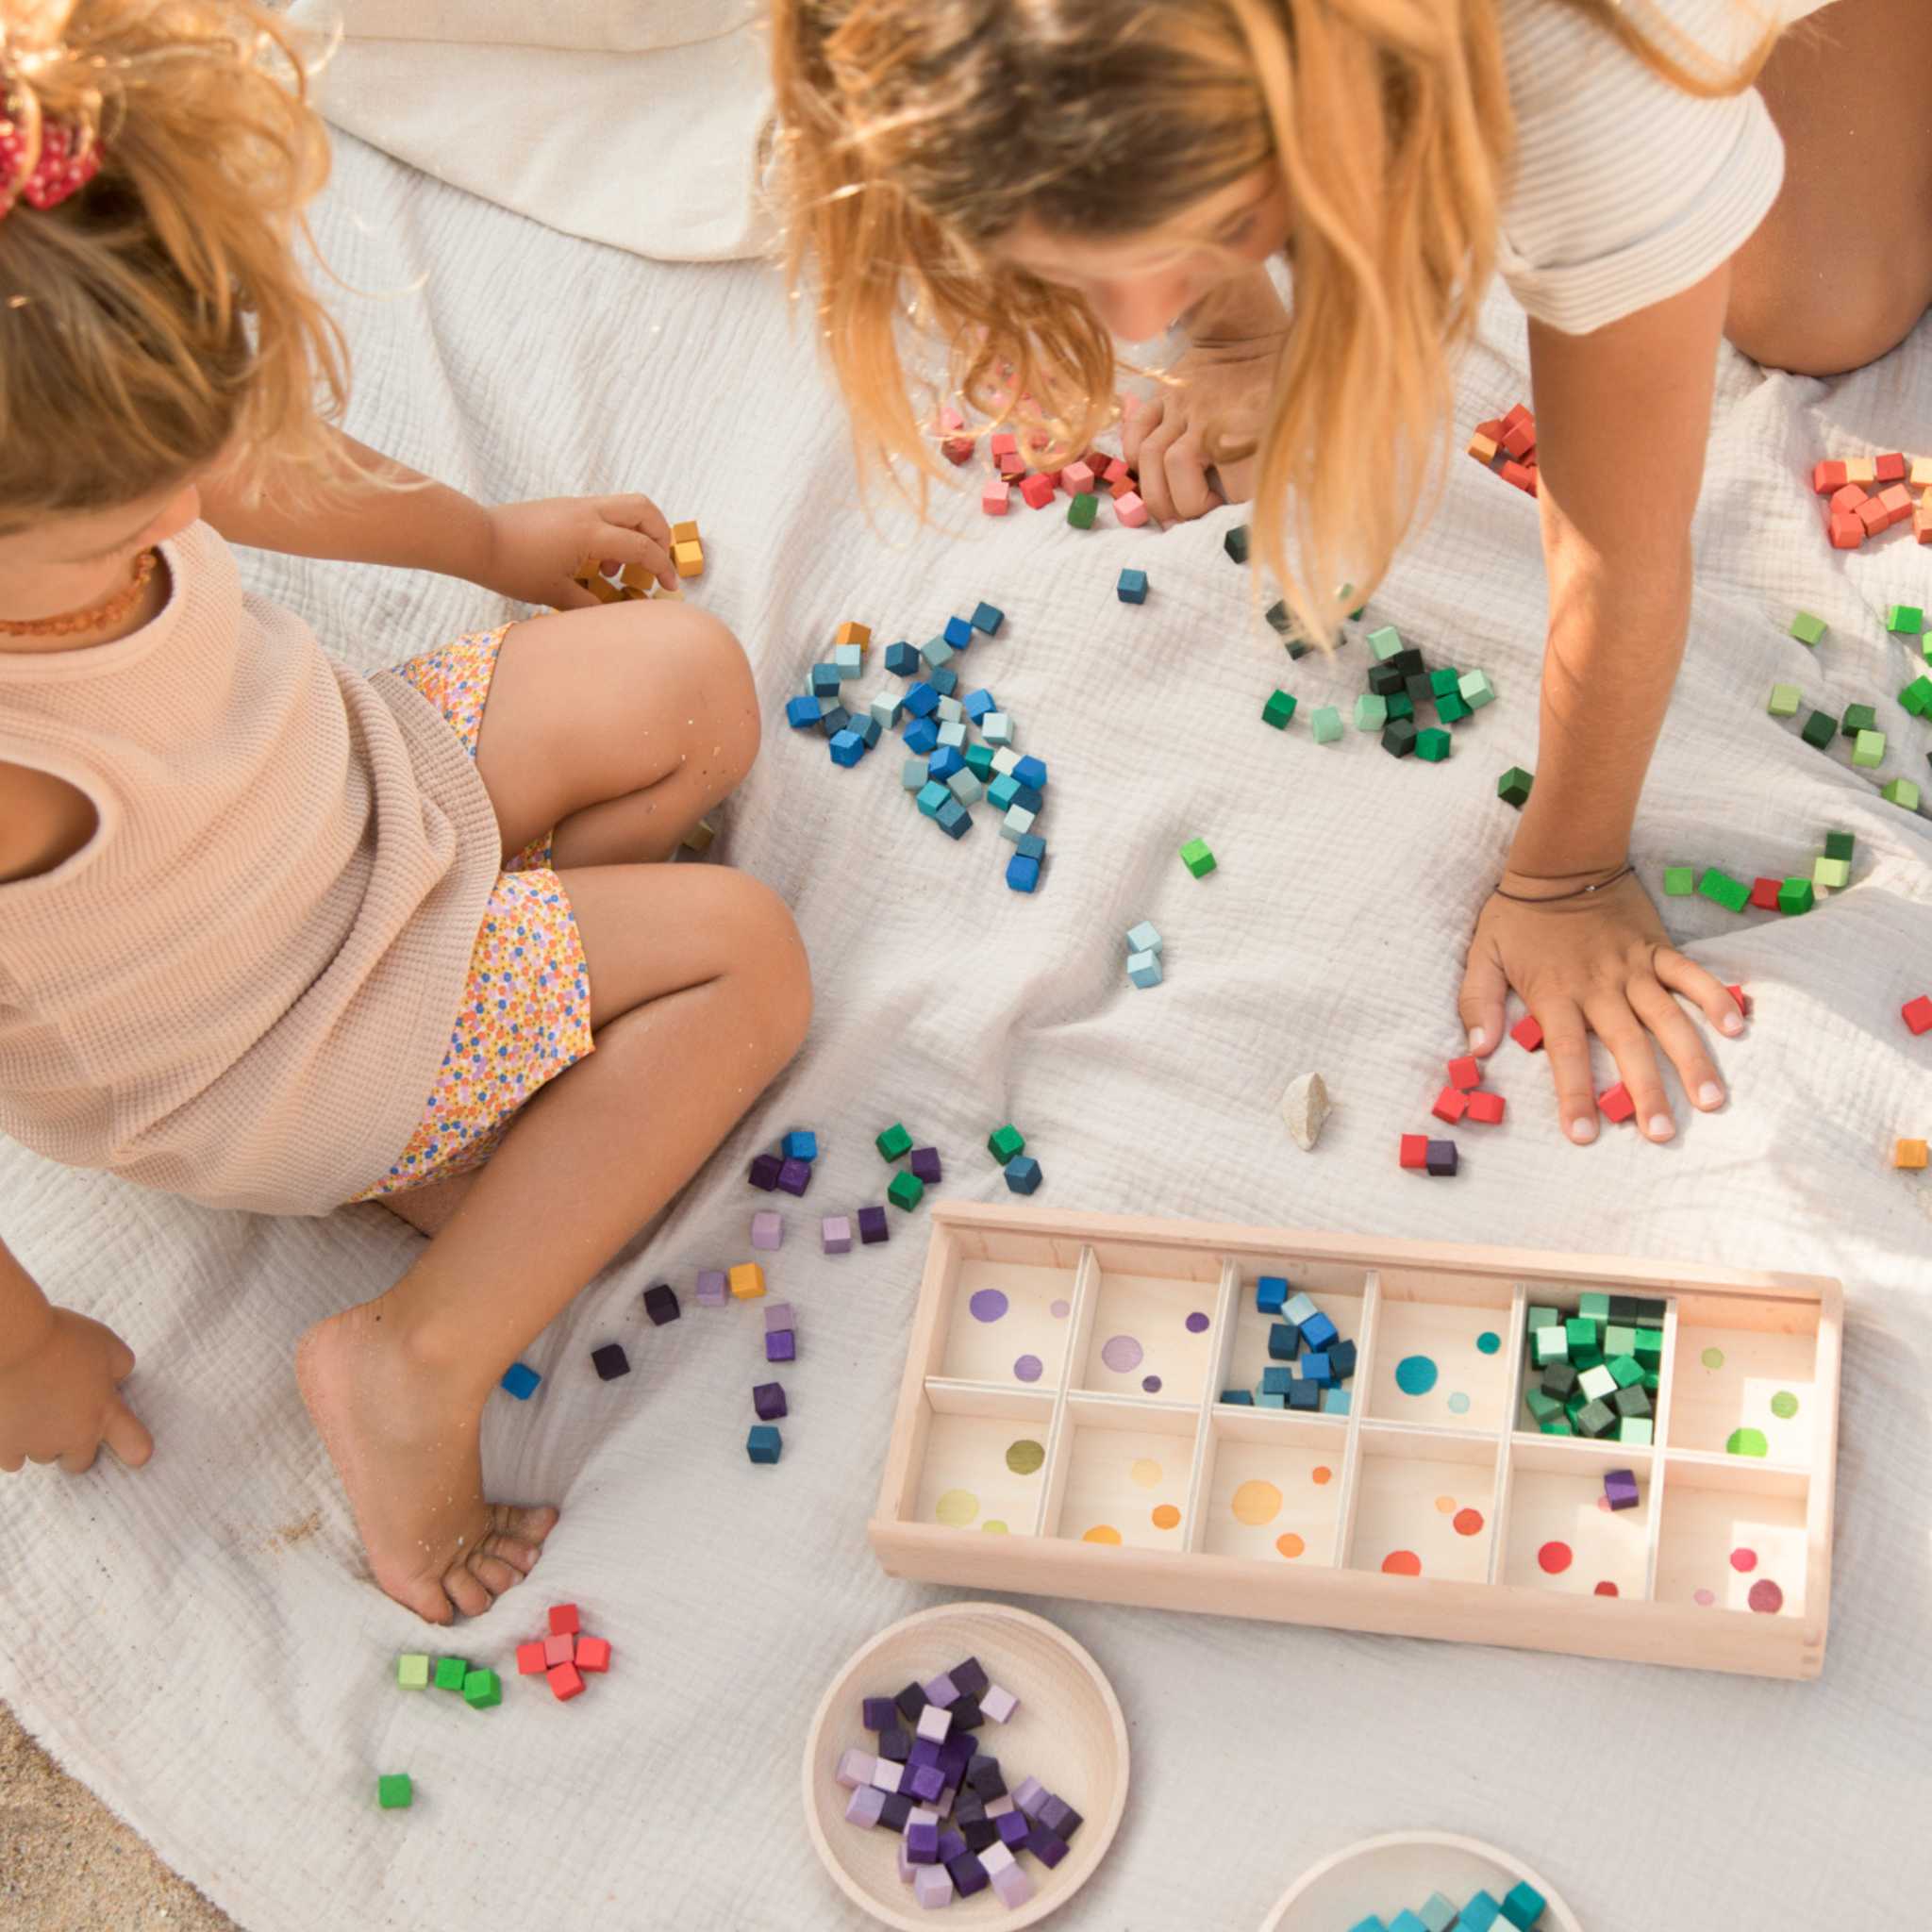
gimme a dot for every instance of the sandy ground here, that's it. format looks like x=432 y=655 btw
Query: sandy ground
x=67 y=1864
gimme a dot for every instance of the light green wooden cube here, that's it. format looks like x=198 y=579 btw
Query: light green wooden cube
x=1324 y=724
x=412 y=1671
x=1385 y=643
x=1868 y=750
x=1680 y=881
x=1901 y=792
x=1785 y=700
x=1831 y=875
x=1371 y=712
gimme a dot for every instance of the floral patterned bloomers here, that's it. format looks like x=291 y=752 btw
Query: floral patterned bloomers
x=526 y=1006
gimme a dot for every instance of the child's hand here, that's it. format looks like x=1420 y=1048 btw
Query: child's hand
x=1601 y=965
x=59 y=1401
x=535 y=548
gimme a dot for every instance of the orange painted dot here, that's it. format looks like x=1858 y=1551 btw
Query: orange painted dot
x=1607 y=1588
x=1102 y=1533
x=1402 y=1563
x=1166 y=1516
x=1447 y=1505
x=1289 y=1544
x=1468 y=1522
x=1321 y=1473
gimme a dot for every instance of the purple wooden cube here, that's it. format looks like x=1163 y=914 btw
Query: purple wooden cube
x=895 y=1810
x=946 y=1797
x=872 y=1226
x=967 y=1873
x=956 y=1755
x=778 y=1315
x=967 y=1715
x=1060 y=1817
x=911 y=1701
x=1620 y=1488
x=932 y=1886
x=924 y=1750
x=768 y=1399
x=922 y=1844
x=1014 y=1830
x=1027 y=1795
x=998 y=1705
x=767 y=1228
x=895 y=1743
x=926 y=1782
x=610 y=1363
x=970 y=1807
x=980 y=1833
x=764 y=1172
x=879 y=1713
x=926 y=1163
x=969 y=1676
x=834 y=1230
x=660 y=1304
x=865 y=1806
x=951 y=1845
x=1045 y=1845
x=713 y=1289
x=941 y=1690
x=781 y=1347
x=855 y=1769
x=1441 y=1157
x=983 y=1776
x=794 y=1176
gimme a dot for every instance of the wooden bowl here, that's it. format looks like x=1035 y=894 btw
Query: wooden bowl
x=1068 y=1732
x=1384 y=1875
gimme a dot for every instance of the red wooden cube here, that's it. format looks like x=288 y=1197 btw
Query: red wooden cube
x=1114 y=470
x=1515 y=473
x=1528 y=1033
x=1012 y=465
x=1847 y=532
x=1415 y=1150
x=566 y=1682
x=957 y=449
x=1847 y=499
x=1465 y=1073
x=1492 y=429
x=1742 y=998
x=1037 y=490
x=1486 y=1107
x=1764 y=893
x=531 y=1662
x=1917 y=1013
x=1005 y=444
x=593 y=1654
x=559 y=1648
x=1616 y=1101
x=1450 y=1105
x=1890 y=468
x=1518 y=440
x=563 y=1619
x=1517 y=413
x=1827 y=477
x=994 y=499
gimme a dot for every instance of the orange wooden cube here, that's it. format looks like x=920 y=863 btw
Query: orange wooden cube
x=850 y=633
x=1922 y=519
x=686 y=532
x=1846 y=532
x=1872 y=515
x=1827 y=476
x=1910 y=1153
x=1897 y=505
x=1920 y=477
x=1845 y=502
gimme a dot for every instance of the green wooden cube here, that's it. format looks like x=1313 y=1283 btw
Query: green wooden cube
x=395 y=1793
x=1795 y=895
x=1653 y=1381
x=895 y=1142
x=1589 y=1357
x=1831 y=875
x=1545 y=1408
x=1624 y=1370
x=1236 y=543
x=1900 y=791
x=1005 y=1143
x=1680 y=881
x=1197 y=858
x=1598 y=1384
x=1344 y=594
x=1727 y=891
x=1840 y=846
x=1596 y=1419
x=1400 y=705
x=1595 y=1307
x=1384 y=642
x=1547 y=1345
x=1858 y=718
x=1545 y=1318
x=1650 y=1347
x=1080 y=512
x=1904 y=620
x=1475 y=690
x=1277 y=710
x=1806 y=629
x=1324 y=724
x=1820 y=729
x=1444 y=680
x=1512 y=788
x=1581 y=1331
x=1560 y=1426
x=450 y=1672
x=1917 y=697
x=1868 y=750
x=1432 y=746
x=412 y=1671
x=1573 y=1402
x=1636 y=1429
x=1785 y=700
x=482 y=1690
x=905 y=1189
x=1371 y=712
x=1398 y=735
x=1631 y=1402
x=1449 y=707
x=1619 y=1338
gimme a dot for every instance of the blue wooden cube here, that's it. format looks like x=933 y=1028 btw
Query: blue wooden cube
x=1133 y=587
x=937 y=652
x=958 y=632
x=1271 y=1290
x=902 y=660
x=1271 y=1401
x=1436 y=1913
x=888 y=707
x=1278 y=1380
x=834 y=719
x=1481 y=1912
x=764 y=1443
x=1023 y=1174
x=954 y=819
x=945 y=681
x=1143 y=968
x=850 y=660
x=825 y=680
x=847 y=748
x=944 y=762
x=1245 y=1397
x=912 y=773
x=922 y=735
x=1030 y=845
x=955 y=734
x=1300 y=1308
x=1335 y=1402
x=1305 y=1397
x=1315 y=1369
x=933 y=797
x=920 y=699
x=1025 y=795
x=988 y=618
x=801 y=1143
x=1341 y=1359
x=868 y=729
x=1023 y=873
x=521 y=1379
x=802 y=714
x=1030 y=771
x=979 y=702
x=1284 y=1342
x=1318 y=1331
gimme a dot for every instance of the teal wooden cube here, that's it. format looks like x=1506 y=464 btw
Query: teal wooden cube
x=1143 y=968
x=412 y=1671
x=1649 y=1350
x=1806 y=629
x=396 y=1792
x=1449 y=708
x=1132 y=586
x=1624 y=1370
x=1400 y=706
x=1444 y=680
x=932 y=799
x=764 y=1443
x=1145 y=938
x=1581 y=1331
x=1523 y=1906
x=1267 y=1401
x=1335 y=1402
x=1436 y=1913
x=1276 y=1381
x=1371 y=712
x=1326 y=724
x=1480 y=1913
x=1406 y=1921
x=1432 y=746
x=1475 y=690
x=1785 y=700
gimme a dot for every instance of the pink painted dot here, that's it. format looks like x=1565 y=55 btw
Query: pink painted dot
x=1027 y=1368
x=1151 y=1383
x=1197 y=1323
x=1556 y=1557
x=1766 y=1598
x=1607 y=1588
x=988 y=1304
x=1061 y=1310
x=1745 y=1560
x=1121 y=1352
x=1703 y=1599
x=1603 y=1503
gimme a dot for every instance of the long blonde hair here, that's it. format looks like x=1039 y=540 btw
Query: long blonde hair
x=159 y=318
x=916 y=133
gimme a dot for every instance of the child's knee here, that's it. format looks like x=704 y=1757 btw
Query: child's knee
x=722 y=693
x=770 y=963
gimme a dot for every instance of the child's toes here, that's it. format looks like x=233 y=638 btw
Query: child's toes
x=516 y=1522
x=466 y=1590
x=513 y=1550
x=493 y=1573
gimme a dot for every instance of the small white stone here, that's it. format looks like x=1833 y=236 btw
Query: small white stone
x=1305 y=1106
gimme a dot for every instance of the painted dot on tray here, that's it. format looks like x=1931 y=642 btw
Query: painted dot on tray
x=1402 y=1563
x=1447 y=1505
x=1255 y=1502
x=1197 y=1323
x=1608 y=1589
x=1146 y=1472
x=1165 y=1516
x=1061 y=1310
x=1102 y=1533
x=1712 y=1358
x=1289 y=1544
x=1746 y=1442
x=1766 y=1598
x=1024 y=1456
x=1489 y=1341
x=1121 y=1352
x=1151 y=1383
x=1703 y=1599
x=993 y=1526
x=1468 y=1522
x=1556 y=1557
x=1458 y=1404
x=987 y=1305
x=1745 y=1560
x=1029 y=1368
x=1415 y=1375
x=956 y=1508
x=1320 y=1473
x=1603 y=1503
x=1784 y=1405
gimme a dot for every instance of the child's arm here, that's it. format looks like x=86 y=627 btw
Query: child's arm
x=523 y=550
x=1622 y=416
x=58 y=1375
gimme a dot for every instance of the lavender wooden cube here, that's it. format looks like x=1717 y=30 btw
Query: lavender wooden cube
x=946 y=1797
x=1012 y=1884
x=926 y=1163
x=768 y=1399
x=911 y=1701
x=941 y=1690
x=998 y=1705
x=895 y=1810
x=926 y=1783
x=855 y=1769
x=794 y=1176
x=934 y=1722
x=767 y=1228
x=932 y=1886
x=879 y=1713
x=781 y=1345
x=778 y=1315
x=895 y=1742
x=872 y=1227
x=1028 y=1794
x=1045 y=1845
x=922 y=1844
x=835 y=1232
x=967 y=1873
x=764 y=1172
x=712 y=1291
x=997 y=1809
x=865 y=1806
x=1060 y=1817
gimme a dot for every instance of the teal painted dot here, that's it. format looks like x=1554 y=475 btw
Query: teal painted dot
x=1458 y=1404
x=1489 y=1341
x=1415 y=1375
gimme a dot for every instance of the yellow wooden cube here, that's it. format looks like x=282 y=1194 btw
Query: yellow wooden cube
x=600 y=588
x=637 y=576
x=1922 y=472
x=1862 y=470
x=1481 y=448
x=1910 y=1153
x=685 y=533
x=747 y=1281
x=690 y=558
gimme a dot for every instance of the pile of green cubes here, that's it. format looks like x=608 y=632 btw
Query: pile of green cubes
x=1596 y=1373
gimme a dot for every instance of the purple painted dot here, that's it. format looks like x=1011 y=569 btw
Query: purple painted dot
x=1061 y=1310
x=1027 y=1368
x=988 y=1304
x=1120 y=1353
x=1197 y=1323
x=1151 y=1383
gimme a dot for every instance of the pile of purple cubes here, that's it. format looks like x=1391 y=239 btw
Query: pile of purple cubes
x=961 y=1828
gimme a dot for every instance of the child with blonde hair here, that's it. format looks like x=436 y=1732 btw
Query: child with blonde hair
x=277 y=936
x=1034 y=178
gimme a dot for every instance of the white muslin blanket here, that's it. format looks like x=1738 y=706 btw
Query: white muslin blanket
x=199 y=1642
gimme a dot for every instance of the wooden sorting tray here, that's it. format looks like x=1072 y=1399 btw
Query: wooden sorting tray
x=1059 y=1431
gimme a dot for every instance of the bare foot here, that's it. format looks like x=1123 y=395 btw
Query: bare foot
x=408 y=1453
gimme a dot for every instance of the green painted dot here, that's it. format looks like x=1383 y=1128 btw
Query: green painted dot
x=1712 y=1358
x=956 y=1508
x=1489 y=1341
x=1026 y=1455
x=1784 y=1405
x=1746 y=1442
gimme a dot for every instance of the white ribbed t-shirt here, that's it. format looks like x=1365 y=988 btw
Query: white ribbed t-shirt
x=1625 y=188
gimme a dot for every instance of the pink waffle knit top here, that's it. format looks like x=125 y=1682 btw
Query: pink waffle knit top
x=242 y=987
